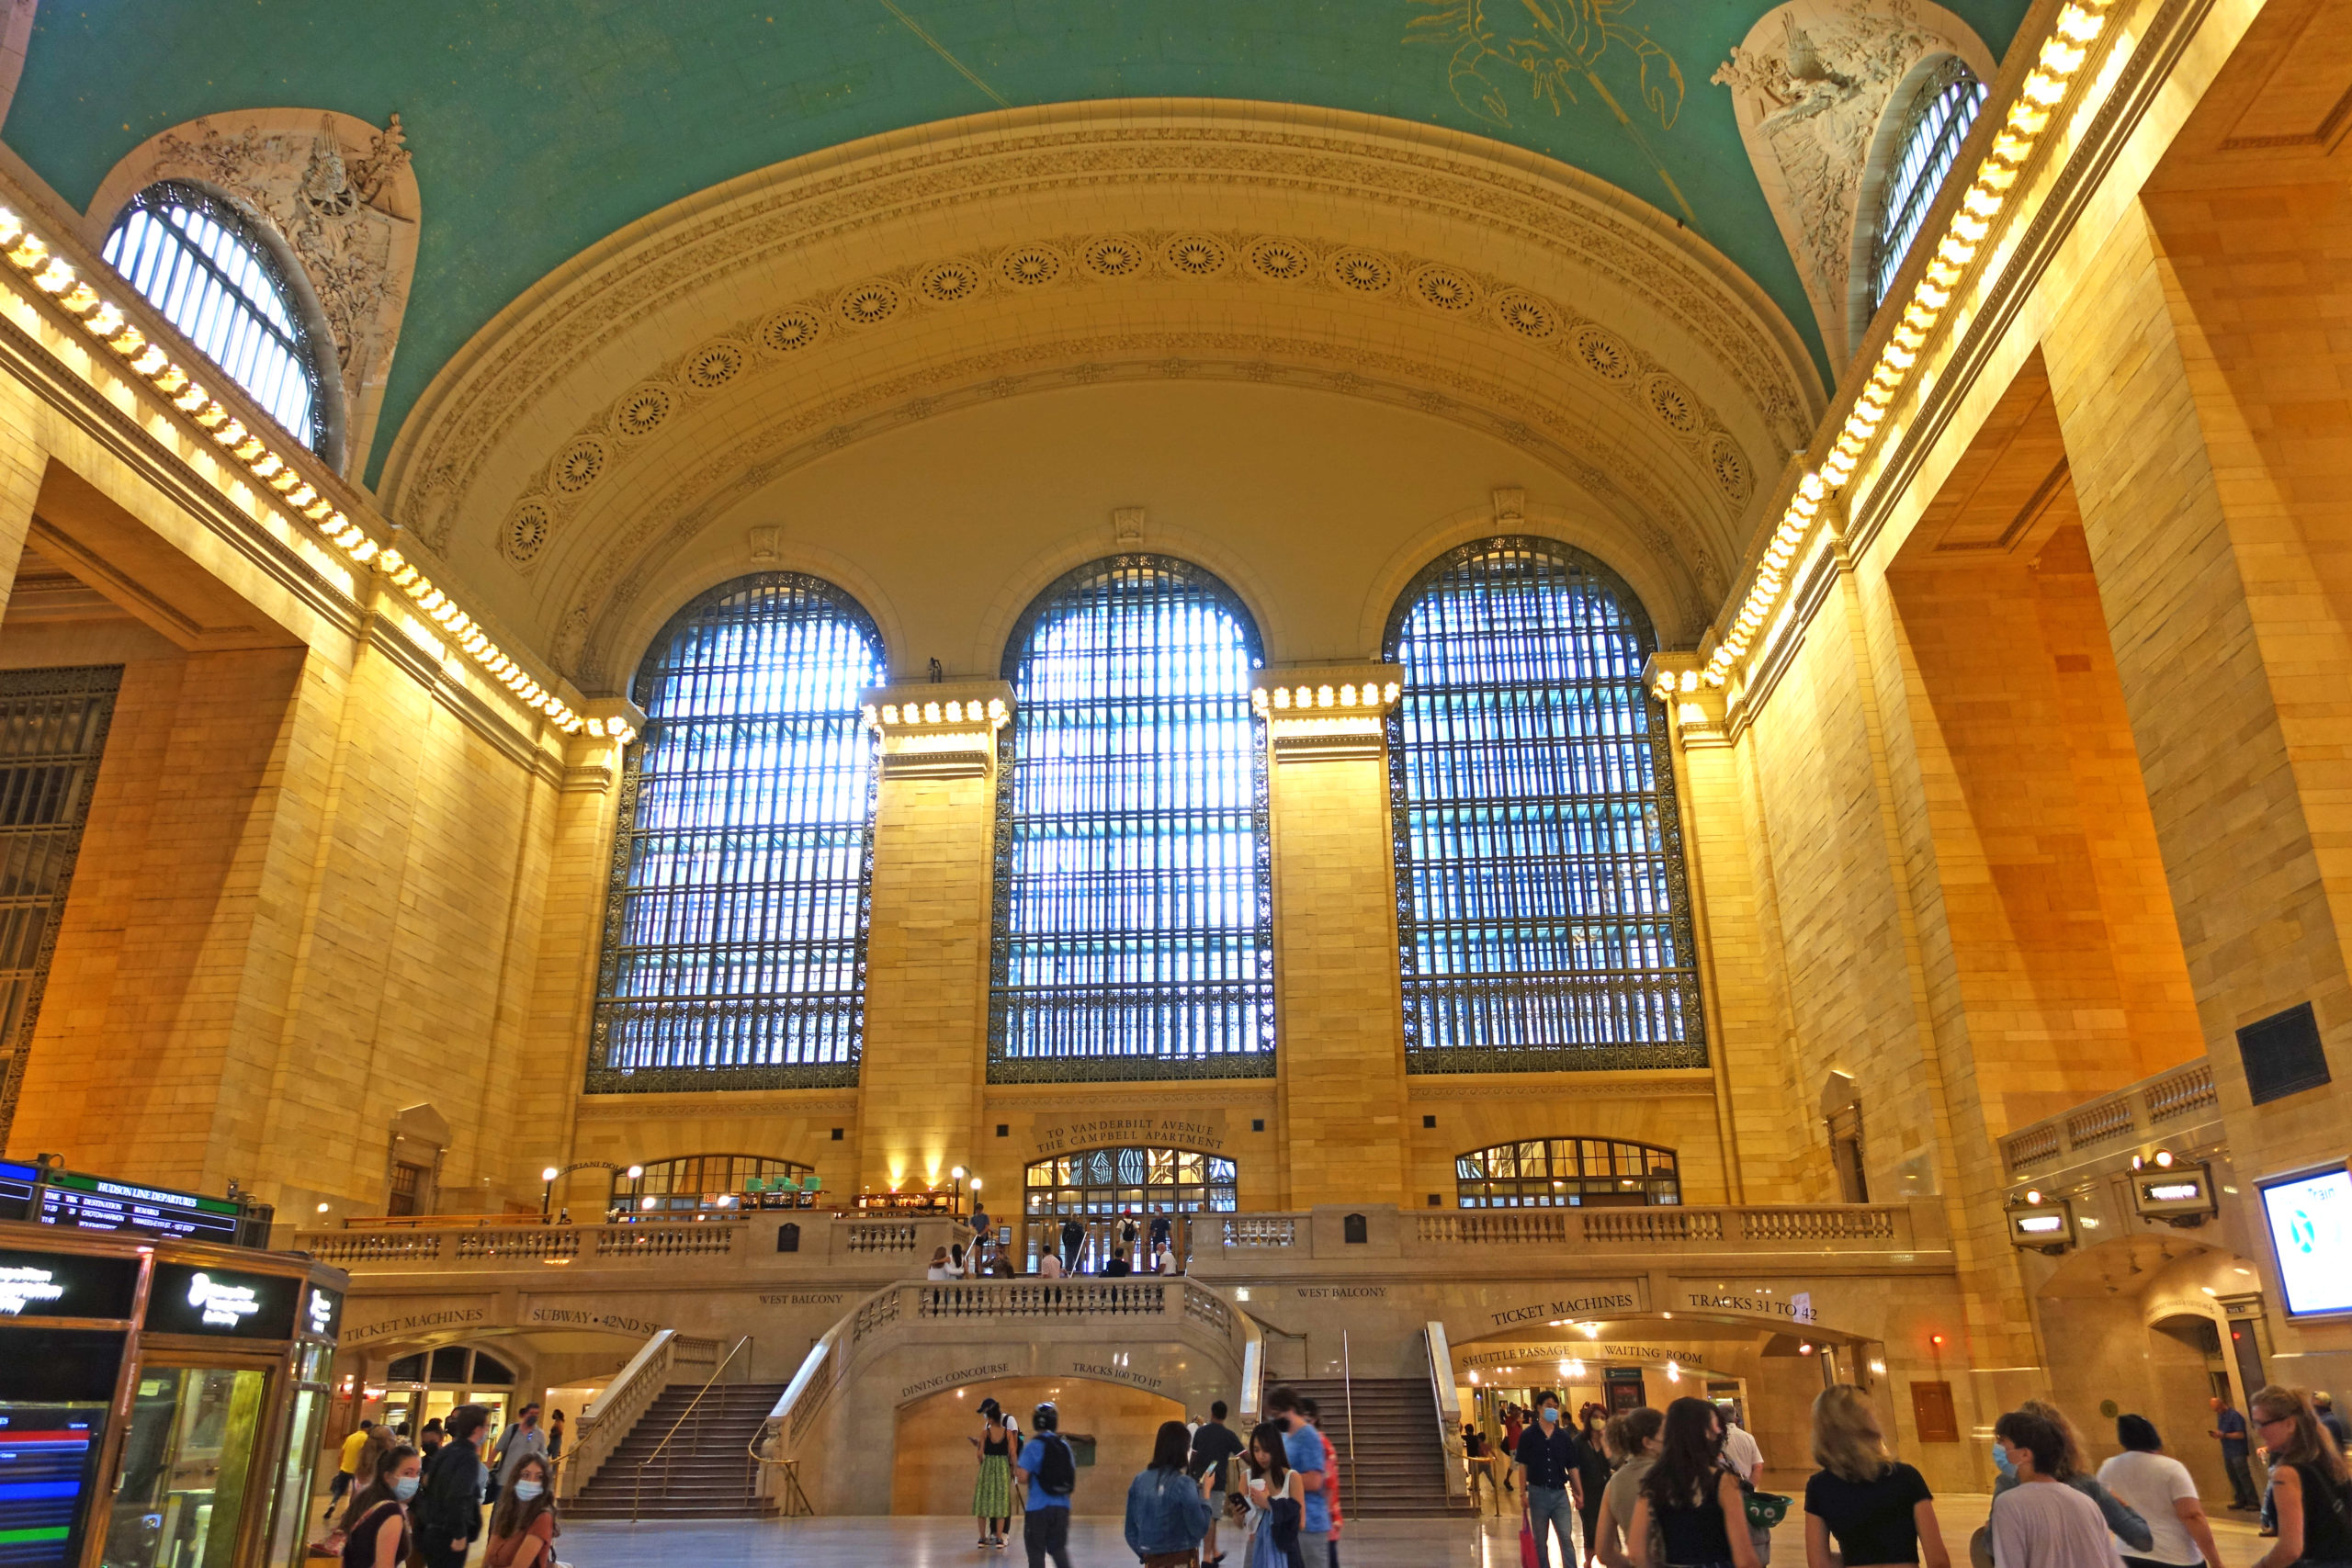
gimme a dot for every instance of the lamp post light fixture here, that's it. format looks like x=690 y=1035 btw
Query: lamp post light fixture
x=554 y=1174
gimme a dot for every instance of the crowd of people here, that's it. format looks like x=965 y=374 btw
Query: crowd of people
x=1135 y=1245
x=423 y=1502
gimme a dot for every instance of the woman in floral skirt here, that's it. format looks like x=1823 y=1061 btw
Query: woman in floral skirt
x=992 y=1490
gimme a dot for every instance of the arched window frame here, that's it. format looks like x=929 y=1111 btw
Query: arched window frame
x=232 y=340
x=1915 y=152
x=1424 y=1055
x=841 y=1070
x=1567 y=1171
x=1004 y=1066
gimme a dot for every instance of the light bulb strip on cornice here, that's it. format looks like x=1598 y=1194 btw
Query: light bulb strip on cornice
x=993 y=712
x=1286 y=699
x=1988 y=197
x=104 y=321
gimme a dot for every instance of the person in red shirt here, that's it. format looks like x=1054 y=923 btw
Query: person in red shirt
x=1331 y=1476
x=1512 y=1426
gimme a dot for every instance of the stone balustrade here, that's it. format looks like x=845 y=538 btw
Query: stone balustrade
x=2175 y=1102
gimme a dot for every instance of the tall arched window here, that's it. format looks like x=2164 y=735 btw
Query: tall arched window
x=1542 y=915
x=735 y=931
x=211 y=271
x=1935 y=118
x=1134 y=909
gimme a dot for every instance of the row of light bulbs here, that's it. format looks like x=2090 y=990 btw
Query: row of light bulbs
x=1346 y=695
x=104 y=321
x=993 y=711
x=2079 y=25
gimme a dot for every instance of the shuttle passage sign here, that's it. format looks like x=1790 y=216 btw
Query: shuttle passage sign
x=2311 y=1230
x=214 y=1302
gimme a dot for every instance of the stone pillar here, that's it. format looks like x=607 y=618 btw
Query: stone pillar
x=2204 y=422
x=1339 y=1017
x=925 y=1064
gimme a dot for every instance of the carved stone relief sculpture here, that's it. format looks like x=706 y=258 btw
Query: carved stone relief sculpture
x=1810 y=86
x=339 y=192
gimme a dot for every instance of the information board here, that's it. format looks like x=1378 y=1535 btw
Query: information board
x=47 y=1455
x=65 y=1284
x=16 y=1182
x=2311 y=1230
x=95 y=1203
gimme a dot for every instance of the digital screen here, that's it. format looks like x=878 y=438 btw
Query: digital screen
x=95 y=1203
x=186 y=1299
x=65 y=1284
x=2311 y=1231
x=16 y=1190
x=321 y=1312
x=47 y=1454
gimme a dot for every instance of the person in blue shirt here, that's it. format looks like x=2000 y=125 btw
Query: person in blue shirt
x=1168 y=1510
x=1044 y=1527
x=2230 y=1427
x=1303 y=1452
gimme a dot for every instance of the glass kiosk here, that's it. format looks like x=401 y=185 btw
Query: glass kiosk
x=160 y=1399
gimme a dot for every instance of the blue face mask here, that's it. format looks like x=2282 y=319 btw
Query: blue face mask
x=1550 y=1416
x=405 y=1487
x=2002 y=1461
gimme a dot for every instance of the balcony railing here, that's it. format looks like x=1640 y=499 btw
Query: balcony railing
x=2178 y=1097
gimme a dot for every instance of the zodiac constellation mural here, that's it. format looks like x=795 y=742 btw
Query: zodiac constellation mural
x=1561 y=48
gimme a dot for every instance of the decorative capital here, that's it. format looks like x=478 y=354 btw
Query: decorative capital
x=1694 y=707
x=1326 y=712
x=938 y=730
x=613 y=718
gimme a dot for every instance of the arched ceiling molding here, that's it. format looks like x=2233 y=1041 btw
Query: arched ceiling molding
x=615 y=550
x=342 y=200
x=1650 y=577
x=736 y=241
x=1810 y=86
x=783 y=553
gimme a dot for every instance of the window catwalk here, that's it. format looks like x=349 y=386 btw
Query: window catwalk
x=1133 y=911
x=1542 y=916
x=202 y=263
x=1938 y=116
x=1567 y=1173
x=735 y=933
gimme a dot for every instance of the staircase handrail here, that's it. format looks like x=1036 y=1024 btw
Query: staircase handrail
x=614 y=1411
x=1448 y=1410
x=636 y=1495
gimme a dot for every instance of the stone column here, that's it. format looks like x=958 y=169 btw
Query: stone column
x=1338 y=1018
x=925 y=1063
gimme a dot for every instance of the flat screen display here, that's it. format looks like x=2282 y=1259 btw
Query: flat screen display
x=16 y=1190
x=95 y=1203
x=184 y=1298
x=65 y=1284
x=2311 y=1231
x=47 y=1455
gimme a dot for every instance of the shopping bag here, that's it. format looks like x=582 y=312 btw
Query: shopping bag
x=1527 y=1543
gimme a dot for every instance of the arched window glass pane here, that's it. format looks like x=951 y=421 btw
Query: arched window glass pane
x=735 y=933
x=1134 y=925
x=1136 y=1199
x=1542 y=916
x=1938 y=116
x=1567 y=1173
x=197 y=259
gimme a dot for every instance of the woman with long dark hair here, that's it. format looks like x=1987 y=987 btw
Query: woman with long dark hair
x=523 y=1528
x=2310 y=1485
x=375 y=1528
x=1277 y=1502
x=1593 y=1468
x=1168 y=1511
x=1692 y=1502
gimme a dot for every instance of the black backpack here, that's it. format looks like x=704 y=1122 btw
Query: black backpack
x=1057 y=1469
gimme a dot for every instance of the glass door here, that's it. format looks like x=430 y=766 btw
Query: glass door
x=186 y=1460
x=289 y=1538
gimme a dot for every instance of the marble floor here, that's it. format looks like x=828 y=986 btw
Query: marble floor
x=1097 y=1542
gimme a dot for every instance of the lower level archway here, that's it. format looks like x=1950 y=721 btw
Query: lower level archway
x=935 y=1456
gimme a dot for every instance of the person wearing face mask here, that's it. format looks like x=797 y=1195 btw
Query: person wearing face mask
x=1302 y=1450
x=1548 y=1464
x=2039 y=1521
x=2070 y=1467
x=375 y=1528
x=523 y=1526
x=448 y=1506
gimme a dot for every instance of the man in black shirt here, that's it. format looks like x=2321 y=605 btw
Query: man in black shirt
x=1214 y=1446
x=1547 y=1459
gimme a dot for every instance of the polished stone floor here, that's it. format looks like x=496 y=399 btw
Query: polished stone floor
x=1490 y=1542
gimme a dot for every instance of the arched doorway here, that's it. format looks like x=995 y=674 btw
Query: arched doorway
x=1112 y=1191
x=1110 y=1426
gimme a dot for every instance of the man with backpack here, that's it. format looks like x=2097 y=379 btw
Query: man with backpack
x=1049 y=1472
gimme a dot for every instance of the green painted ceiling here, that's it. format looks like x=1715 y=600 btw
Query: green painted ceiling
x=540 y=126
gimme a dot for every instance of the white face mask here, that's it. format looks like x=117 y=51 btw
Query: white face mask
x=405 y=1487
x=527 y=1490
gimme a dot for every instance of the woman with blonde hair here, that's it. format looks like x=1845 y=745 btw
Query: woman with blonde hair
x=2310 y=1485
x=1877 y=1509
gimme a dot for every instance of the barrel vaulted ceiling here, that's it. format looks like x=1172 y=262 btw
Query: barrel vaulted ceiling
x=539 y=127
